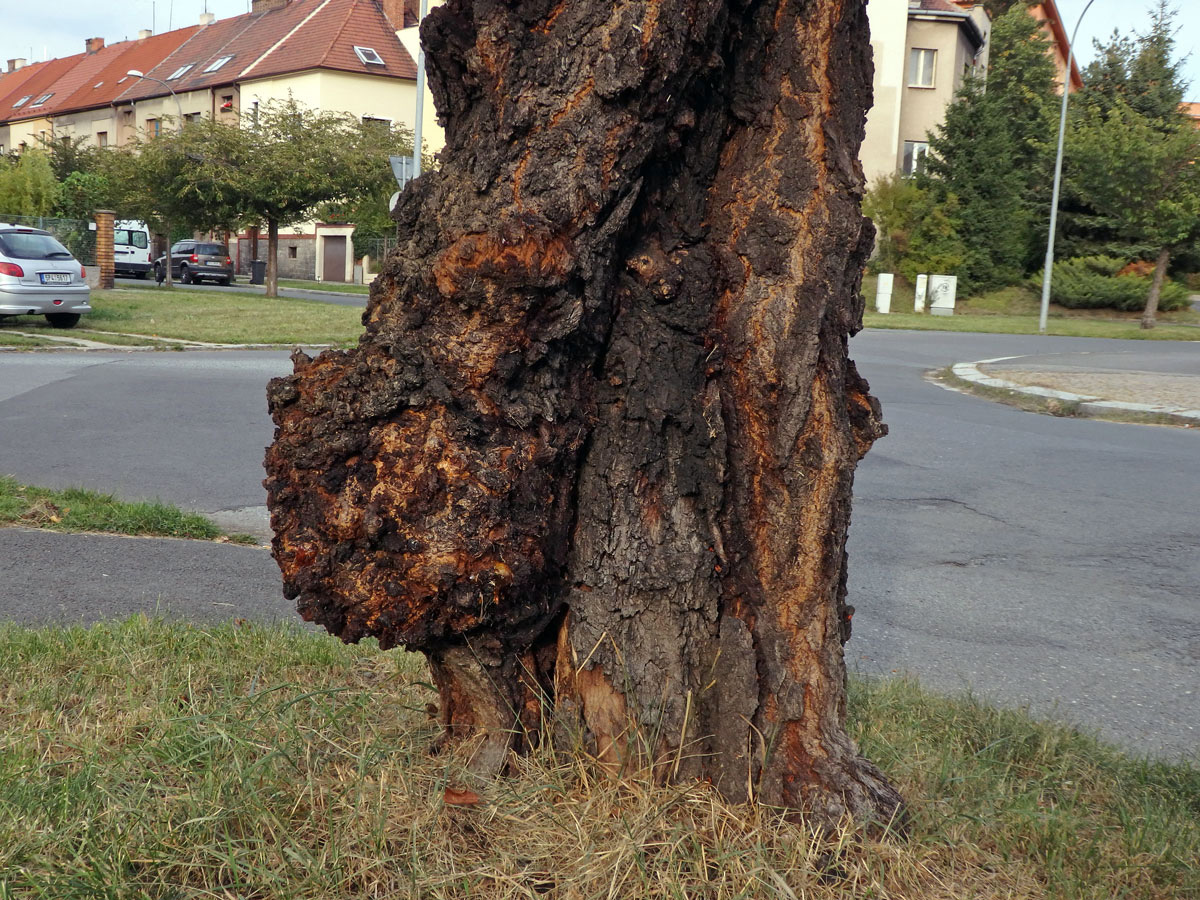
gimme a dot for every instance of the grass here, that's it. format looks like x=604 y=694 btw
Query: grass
x=338 y=287
x=77 y=509
x=1015 y=310
x=222 y=318
x=146 y=759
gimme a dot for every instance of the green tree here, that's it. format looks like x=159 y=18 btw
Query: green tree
x=993 y=153
x=917 y=231
x=28 y=186
x=1143 y=178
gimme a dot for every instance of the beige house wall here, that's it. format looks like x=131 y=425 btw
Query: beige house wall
x=889 y=43
x=923 y=109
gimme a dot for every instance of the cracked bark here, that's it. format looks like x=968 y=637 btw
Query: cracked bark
x=593 y=454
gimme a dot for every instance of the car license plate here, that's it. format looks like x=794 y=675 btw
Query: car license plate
x=55 y=278
x=212 y=263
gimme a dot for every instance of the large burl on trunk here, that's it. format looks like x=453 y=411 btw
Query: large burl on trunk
x=593 y=454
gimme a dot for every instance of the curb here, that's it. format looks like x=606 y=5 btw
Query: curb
x=1084 y=404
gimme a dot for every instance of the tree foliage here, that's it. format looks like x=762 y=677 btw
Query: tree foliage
x=27 y=185
x=917 y=231
x=993 y=154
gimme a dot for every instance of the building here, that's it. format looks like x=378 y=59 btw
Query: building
x=339 y=55
x=923 y=51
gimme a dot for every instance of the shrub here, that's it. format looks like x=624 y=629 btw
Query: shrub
x=1092 y=282
x=917 y=230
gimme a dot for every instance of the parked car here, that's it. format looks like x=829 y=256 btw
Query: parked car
x=131 y=248
x=195 y=261
x=40 y=277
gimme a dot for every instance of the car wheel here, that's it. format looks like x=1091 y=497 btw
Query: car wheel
x=185 y=275
x=62 y=320
x=159 y=275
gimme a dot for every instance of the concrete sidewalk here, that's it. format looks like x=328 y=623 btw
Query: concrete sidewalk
x=1139 y=382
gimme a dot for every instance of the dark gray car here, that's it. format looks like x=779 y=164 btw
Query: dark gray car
x=40 y=277
x=196 y=261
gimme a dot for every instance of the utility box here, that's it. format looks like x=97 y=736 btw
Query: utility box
x=942 y=291
x=883 y=293
x=919 y=294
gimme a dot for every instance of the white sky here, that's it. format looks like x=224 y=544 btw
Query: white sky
x=36 y=29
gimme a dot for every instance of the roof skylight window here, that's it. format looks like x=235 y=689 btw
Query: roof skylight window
x=40 y=100
x=369 y=56
x=217 y=63
x=22 y=101
x=180 y=72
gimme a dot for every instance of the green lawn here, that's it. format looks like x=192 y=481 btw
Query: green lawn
x=1015 y=310
x=78 y=509
x=220 y=317
x=335 y=286
x=146 y=759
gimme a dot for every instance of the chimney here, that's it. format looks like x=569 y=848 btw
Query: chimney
x=207 y=19
x=400 y=13
x=14 y=64
x=262 y=6
x=144 y=33
x=92 y=45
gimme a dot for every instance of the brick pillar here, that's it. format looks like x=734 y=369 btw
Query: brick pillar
x=104 y=248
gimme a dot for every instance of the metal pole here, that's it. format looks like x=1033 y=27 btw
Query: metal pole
x=178 y=106
x=1047 y=274
x=420 y=94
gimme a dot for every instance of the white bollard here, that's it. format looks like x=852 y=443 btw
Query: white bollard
x=919 y=294
x=883 y=293
x=942 y=288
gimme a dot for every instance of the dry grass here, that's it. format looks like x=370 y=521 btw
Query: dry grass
x=151 y=760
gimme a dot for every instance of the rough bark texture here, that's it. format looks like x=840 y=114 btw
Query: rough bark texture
x=594 y=452
x=1150 y=313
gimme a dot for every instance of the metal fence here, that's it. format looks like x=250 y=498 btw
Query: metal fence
x=77 y=235
x=378 y=249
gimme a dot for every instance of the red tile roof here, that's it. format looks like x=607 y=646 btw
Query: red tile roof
x=300 y=36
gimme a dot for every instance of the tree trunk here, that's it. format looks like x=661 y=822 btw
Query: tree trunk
x=272 y=274
x=168 y=257
x=253 y=243
x=1160 y=274
x=594 y=454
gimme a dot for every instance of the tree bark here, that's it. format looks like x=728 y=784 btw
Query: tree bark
x=594 y=452
x=1160 y=273
x=272 y=273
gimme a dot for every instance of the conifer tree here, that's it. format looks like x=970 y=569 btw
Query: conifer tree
x=993 y=153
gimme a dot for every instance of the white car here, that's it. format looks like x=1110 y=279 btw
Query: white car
x=40 y=277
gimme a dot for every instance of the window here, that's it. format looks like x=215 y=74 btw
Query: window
x=22 y=101
x=101 y=138
x=217 y=63
x=375 y=120
x=190 y=117
x=914 y=157
x=125 y=238
x=40 y=100
x=291 y=251
x=153 y=127
x=920 y=67
x=369 y=56
x=180 y=72
x=227 y=103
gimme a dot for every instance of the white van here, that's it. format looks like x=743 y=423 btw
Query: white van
x=131 y=248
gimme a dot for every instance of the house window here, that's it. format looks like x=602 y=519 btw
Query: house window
x=217 y=63
x=153 y=127
x=101 y=138
x=375 y=120
x=40 y=100
x=292 y=251
x=920 y=67
x=369 y=56
x=180 y=72
x=914 y=157
x=22 y=101
x=227 y=103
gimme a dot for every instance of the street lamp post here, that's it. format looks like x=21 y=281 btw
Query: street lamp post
x=416 y=167
x=1058 y=161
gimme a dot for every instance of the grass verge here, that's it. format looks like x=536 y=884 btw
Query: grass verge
x=77 y=509
x=146 y=759
x=337 y=287
x=1015 y=310
x=223 y=318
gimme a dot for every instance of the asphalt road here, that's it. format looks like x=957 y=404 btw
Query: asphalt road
x=1040 y=562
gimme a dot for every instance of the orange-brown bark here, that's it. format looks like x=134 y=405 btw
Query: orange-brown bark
x=595 y=448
